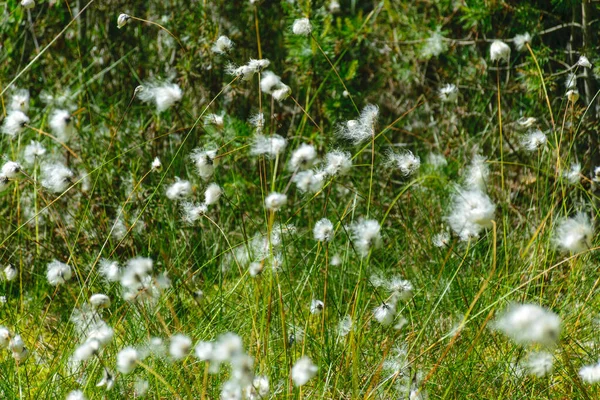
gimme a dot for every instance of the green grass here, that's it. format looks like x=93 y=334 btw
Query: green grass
x=444 y=345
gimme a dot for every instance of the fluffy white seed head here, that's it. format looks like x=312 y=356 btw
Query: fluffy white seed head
x=222 y=45
x=163 y=95
x=526 y=122
x=406 y=162
x=109 y=270
x=204 y=160
x=156 y=164
x=76 y=395
x=56 y=177
x=282 y=93
x=61 y=125
x=259 y=389
x=191 y=212
x=366 y=234
x=122 y=20
x=301 y=27
x=590 y=373
x=4 y=181
x=303 y=157
x=11 y=169
x=85 y=351
x=212 y=194
x=14 y=123
x=275 y=201
x=19 y=100
x=534 y=140
x=100 y=300
x=441 y=239
x=323 y=230
x=358 y=131
x=385 y=313
x=179 y=190
x=127 y=360
x=268 y=146
x=573 y=174
x=10 y=273
x=449 y=93
x=529 y=324
x=180 y=346
x=246 y=72
x=521 y=41
x=58 y=273
x=539 y=363
x=33 y=152
x=316 y=306
x=584 y=62
x=499 y=51
x=269 y=81
x=27 y=4
x=471 y=212
x=303 y=371
x=4 y=337
x=337 y=163
x=478 y=173
x=574 y=234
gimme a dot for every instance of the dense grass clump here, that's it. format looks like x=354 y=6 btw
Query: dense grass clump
x=295 y=199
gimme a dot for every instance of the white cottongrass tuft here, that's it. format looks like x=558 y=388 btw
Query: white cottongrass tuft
x=499 y=51
x=526 y=122
x=58 y=273
x=109 y=270
x=11 y=169
x=100 y=300
x=127 y=360
x=217 y=120
x=56 y=177
x=441 y=239
x=366 y=234
x=122 y=20
x=3 y=182
x=302 y=27
x=337 y=163
x=33 y=152
x=14 y=123
x=212 y=194
x=19 y=101
x=573 y=174
x=584 y=62
x=303 y=371
x=163 y=95
x=323 y=230
x=27 y=4
x=269 y=146
x=534 y=140
x=529 y=324
x=10 y=273
x=521 y=41
x=180 y=346
x=539 y=363
x=246 y=72
x=449 y=93
x=478 y=173
x=472 y=211
x=316 y=306
x=574 y=234
x=179 y=190
x=61 y=125
x=204 y=160
x=76 y=395
x=385 y=313
x=309 y=181
x=4 y=337
x=282 y=93
x=303 y=157
x=590 y=373
x=405 y=161
x=222 y=45
x=275 y=201
x=269 y=81
x=191 y=212
x=358 y=131
x=156 y=164
x=259 y=389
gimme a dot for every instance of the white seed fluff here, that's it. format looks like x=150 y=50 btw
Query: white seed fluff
x=14 y=123
x=323 y=230
x=58 y=273
x=529 y=324
x=222 y=45
x=275 y=201
x=163 y=95
x=471 y=212
x=179 y=190
x=61 y=125
x=366 y=234
x=301 y=27
x=127 y=360
x=56 y=177
x=590 y=373
x=405 y=161
x=303 y=371
x=303 y=157
x=499 y=51
x=212 y=194
x=574 y=234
